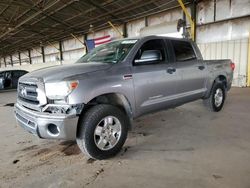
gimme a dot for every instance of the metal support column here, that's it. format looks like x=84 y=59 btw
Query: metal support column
x=146 y=21
x=215 y=7
x=4 y=59
x=30 y=61
x=194 y=15
x=60 y=51
x=125 y=30
x=11 y=60
x=85 y=37
x=43 y=55
x=19 y=58
x=189 y=18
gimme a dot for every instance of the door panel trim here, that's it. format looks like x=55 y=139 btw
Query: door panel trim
x=157 y=100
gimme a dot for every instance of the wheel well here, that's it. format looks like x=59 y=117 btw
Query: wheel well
x=222 y=79
x=114 y=99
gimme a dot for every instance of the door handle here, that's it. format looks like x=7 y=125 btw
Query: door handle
x=171 y=70
x=127 y=76
x=201 y=67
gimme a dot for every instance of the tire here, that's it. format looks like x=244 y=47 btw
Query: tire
x=217 y=97
x=102 y=131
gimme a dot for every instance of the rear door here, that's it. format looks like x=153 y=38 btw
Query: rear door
x=154 y=81
x=192 y=70
x=7 y=80
x=15 y=77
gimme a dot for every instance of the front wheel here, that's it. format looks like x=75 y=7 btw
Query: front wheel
x=102 y=131
x=217 y=97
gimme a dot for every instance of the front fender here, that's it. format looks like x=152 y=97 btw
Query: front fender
x=100 y=83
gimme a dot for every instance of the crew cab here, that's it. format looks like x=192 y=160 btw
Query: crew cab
x=95 y=100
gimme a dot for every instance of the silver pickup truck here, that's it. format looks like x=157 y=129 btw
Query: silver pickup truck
x=95 y=100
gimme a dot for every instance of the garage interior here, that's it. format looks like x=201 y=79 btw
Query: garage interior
x=183 y=147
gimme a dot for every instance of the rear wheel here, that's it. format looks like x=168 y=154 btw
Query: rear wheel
x=102 y=131
x=217 y=97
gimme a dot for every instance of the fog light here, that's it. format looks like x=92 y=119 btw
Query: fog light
x=53 y=130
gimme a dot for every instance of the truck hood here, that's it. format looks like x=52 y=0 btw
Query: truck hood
x=61 y=72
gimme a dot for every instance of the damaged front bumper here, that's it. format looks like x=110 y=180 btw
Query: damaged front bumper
x=47 y=125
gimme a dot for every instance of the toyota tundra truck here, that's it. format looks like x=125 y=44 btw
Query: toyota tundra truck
x=95 y=100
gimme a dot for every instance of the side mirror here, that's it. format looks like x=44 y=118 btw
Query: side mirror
x=150 y=56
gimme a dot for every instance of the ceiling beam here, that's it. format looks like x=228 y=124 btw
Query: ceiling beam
x=41 y=11
x=30 y=18
x=14 y=3
x=93 y=3
x=44 y=29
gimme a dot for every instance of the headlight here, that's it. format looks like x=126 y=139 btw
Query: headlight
x=60 y=90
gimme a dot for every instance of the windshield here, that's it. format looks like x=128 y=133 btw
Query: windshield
x=112 y=52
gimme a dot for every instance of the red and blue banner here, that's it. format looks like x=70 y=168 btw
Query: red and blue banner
x=92 y=43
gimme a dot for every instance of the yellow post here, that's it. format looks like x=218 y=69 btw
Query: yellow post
x=117 y=30
x=188 y=16
x=248 y=65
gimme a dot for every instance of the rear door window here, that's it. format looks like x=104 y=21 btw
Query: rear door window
x=8 y=75
x=183 y=50
x=21 y=73
x=15 y=74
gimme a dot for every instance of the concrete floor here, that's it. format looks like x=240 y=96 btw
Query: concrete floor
x=183 y=147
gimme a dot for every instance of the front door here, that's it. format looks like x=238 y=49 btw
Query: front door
x=154 y=79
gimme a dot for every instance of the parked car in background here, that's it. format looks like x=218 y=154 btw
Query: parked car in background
x=9 y=79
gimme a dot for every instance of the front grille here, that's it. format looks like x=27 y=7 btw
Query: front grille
x=27 y=92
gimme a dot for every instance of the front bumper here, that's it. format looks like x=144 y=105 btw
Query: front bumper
x=38 y=123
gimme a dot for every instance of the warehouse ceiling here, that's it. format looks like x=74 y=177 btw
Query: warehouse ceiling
x=28 y=23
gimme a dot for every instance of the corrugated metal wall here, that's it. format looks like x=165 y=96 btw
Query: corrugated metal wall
x=236 y=50
x=36 y=55
x=223 y=32
x=73 y=49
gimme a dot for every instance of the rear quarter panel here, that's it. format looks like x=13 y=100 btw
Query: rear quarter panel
x=217 y=68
